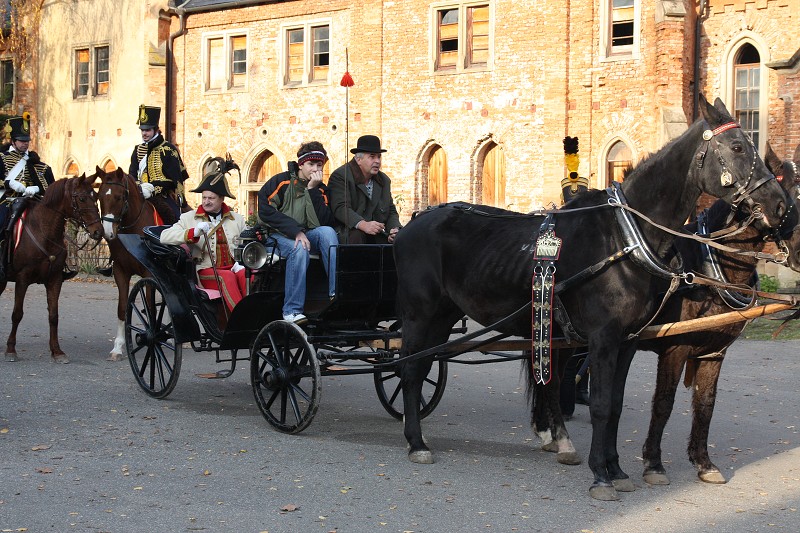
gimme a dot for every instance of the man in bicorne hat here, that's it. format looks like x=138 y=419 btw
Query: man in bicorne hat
x=215 y=221
x=24 y=175
x=361 y=197
x=158 y=167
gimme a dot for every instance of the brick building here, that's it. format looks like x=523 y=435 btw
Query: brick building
x=473 y=97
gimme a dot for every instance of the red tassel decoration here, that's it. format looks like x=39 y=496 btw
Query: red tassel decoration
x=347 y=80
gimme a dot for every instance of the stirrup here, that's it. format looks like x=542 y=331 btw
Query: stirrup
x=106 y=271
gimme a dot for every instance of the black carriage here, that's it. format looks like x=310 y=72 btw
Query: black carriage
x=354 y=332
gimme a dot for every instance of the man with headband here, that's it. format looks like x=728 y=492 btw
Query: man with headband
x=295 y=204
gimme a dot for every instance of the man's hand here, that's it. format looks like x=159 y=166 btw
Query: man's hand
x=302 y=240
x=202 y=226
x=315 y=179
x=370 y=227
x=393 y=234
x=147 y=190
x=30 y=191
x=236 y=268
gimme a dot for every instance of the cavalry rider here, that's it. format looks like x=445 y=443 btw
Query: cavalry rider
x=24 y=175
x=295 y=204
x=158 y=167
x=215 y=221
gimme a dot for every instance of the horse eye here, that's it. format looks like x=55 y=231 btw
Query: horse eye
x=737 y=148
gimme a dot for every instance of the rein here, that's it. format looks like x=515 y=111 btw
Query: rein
x=125 y=208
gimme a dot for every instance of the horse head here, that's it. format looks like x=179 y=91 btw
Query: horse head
x=83 y=204
x=729 y=167
x=787 y=234
x=115 y=195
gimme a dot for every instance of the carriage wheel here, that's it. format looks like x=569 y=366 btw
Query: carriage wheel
x=284 y=371
x=390 y=393
x=154 y=355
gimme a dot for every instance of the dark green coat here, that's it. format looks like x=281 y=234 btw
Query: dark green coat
x=351 y=204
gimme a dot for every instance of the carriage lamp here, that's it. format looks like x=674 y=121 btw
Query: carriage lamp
x=253 y=255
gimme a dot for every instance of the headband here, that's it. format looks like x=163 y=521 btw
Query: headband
x=312 y=156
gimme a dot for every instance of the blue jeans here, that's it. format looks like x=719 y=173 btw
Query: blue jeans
x=323 y=241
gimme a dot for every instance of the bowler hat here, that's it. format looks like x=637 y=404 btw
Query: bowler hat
x=19 y=128
x=370 y=144
x=148 y=117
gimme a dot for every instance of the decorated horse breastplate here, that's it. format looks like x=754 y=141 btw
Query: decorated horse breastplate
x=711 y=268
x=641 y=253
x=548 y=248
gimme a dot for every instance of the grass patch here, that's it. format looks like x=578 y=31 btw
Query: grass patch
x=761 y=329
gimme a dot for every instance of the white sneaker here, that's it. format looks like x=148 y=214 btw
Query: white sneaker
x=297 y=318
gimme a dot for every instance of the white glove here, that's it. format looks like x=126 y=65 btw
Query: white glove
x=147 y=190
x=236 y=268
x=30 y=191
x=201 y=227
x=16 y=186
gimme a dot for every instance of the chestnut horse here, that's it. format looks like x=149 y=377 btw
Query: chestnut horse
x=702 y=353
x=124 y=210
x=40 y=253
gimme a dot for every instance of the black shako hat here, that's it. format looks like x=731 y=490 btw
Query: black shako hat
x=19 y=128
x=370 y=144
x=148 y=117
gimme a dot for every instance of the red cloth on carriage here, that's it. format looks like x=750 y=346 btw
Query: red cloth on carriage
x=232 y=287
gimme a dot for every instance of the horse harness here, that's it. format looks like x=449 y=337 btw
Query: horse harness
x=125 y=207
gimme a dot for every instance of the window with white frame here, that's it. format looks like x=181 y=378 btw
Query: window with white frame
x=620 y=29
x=91 y=71
x=7 y=82
x=306 y=57
x=747 y=90
x=462 y=36
x=225 y=61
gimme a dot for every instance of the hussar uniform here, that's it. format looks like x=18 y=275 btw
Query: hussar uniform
x=159 y=163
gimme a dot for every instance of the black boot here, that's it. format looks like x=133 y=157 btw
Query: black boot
x=107 y=271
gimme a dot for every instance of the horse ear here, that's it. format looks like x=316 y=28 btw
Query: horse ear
x=772 y=160
x=98 y=170
x=711 y=113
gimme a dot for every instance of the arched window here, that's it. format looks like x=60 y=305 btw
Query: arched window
x=437 y=176
x=747 y=89
x=72 y=169
x=265 y=165
x=109 y=166
x=618 y=159
x=493 y=176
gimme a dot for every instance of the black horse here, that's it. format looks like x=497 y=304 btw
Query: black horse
x=699 y=355
x=452 y=261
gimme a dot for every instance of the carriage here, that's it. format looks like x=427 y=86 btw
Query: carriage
x=354 y=332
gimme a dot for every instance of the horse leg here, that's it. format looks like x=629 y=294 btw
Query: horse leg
x=621 y=481
x=123 y=281
x=703 y=400
x=604 y=348
x=20 y=289
x=53 y=288
x=670 y=368
x=412 y=375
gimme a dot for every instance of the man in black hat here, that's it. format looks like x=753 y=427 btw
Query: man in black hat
x=158 y=167
x=361 y=197
x=215 y=221
x=24 y=175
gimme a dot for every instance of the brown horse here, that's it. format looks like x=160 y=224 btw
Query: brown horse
x=701 y=353
x=40 y=254
x=124 y=210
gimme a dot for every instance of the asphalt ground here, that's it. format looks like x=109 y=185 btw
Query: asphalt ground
x=82 y=448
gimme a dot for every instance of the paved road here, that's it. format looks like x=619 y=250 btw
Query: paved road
x=83 y=449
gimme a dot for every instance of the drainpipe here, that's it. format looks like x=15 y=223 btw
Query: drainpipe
x=181 y=14
x=698 y=25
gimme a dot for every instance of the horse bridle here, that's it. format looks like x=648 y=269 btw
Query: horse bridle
x=125 y=206
x=727 y=179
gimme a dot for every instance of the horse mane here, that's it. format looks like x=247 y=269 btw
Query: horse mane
x=55 y=193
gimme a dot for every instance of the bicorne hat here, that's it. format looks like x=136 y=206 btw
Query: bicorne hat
x=148 y=117
x=19 y=127
x=214 y=180
x=370 y=144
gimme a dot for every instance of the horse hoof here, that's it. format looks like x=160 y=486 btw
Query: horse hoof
x=11 y=357
x=604 y=492
x=655 y=478
x=551 y=446
x=114 y=357
x=61 y=359
x=712 y=476
x=422 y=457
x=568 y=458
x=623 y=485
